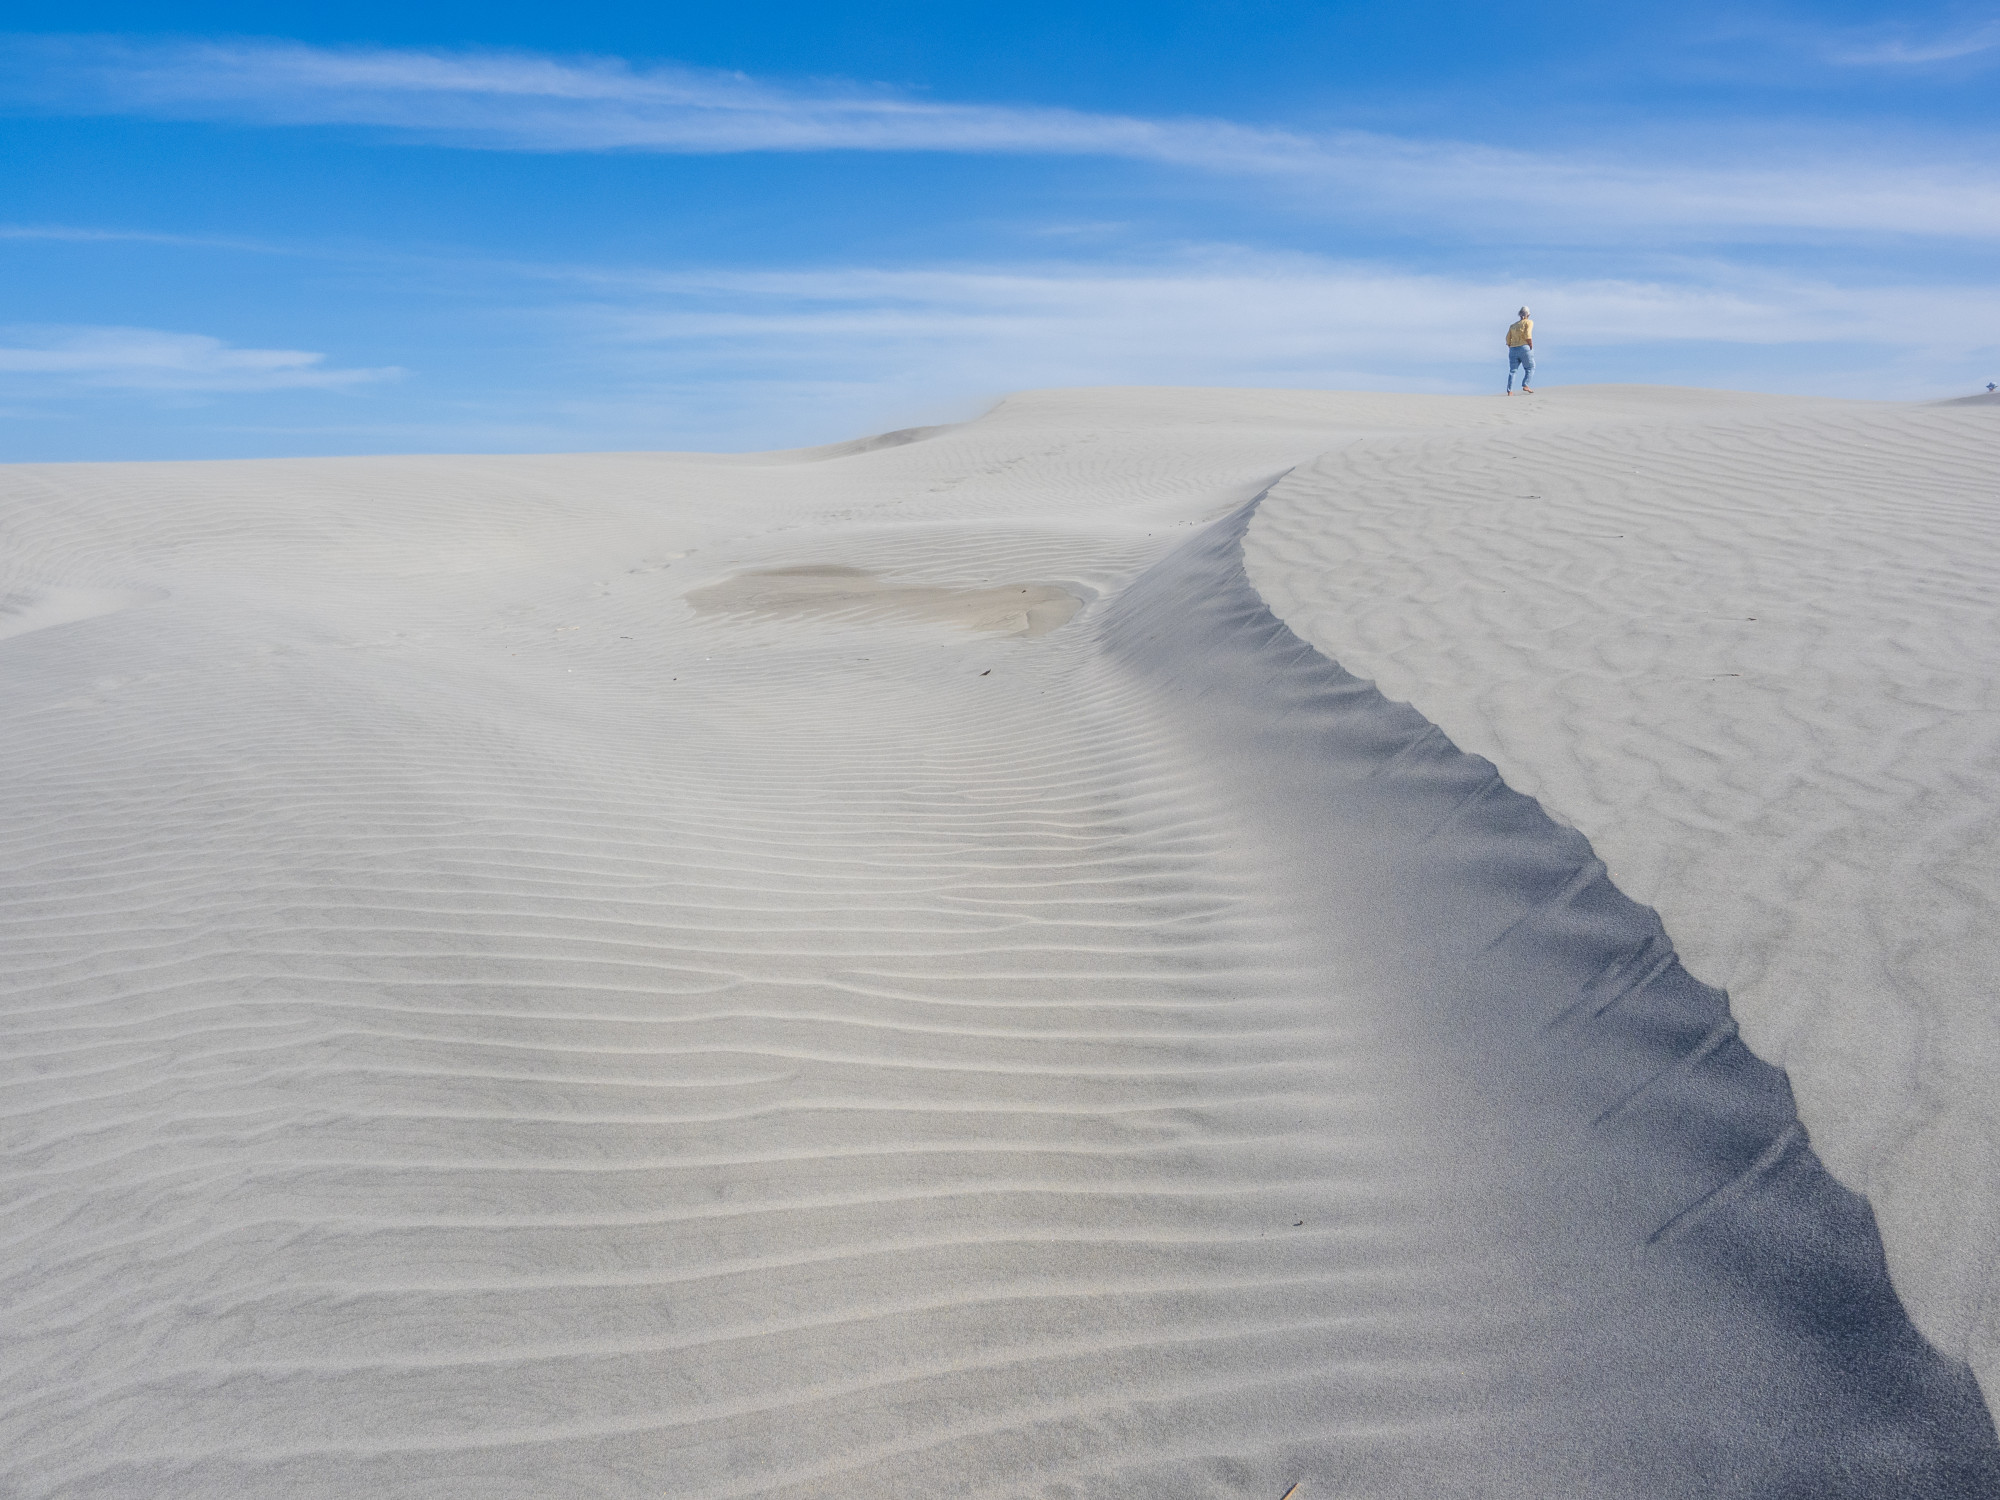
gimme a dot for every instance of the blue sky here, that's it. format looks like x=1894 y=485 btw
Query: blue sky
x=237 y=230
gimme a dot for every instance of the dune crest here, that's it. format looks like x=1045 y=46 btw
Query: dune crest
x=1748 y=648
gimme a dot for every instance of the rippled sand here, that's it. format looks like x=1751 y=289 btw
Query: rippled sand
x=887 y=969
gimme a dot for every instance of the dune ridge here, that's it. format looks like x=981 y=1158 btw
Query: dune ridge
x=478 y=1023
x=1654 y=1160
x=1746 y=645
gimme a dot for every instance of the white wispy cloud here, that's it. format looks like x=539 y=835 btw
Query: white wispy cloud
x=625 y=358
x=871 y=343
x=78 y=234
x=1880 y=49
x=1279 y=303
x=148 y=359
x=526 y=102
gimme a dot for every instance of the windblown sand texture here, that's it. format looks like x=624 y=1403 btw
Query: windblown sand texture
x=889 y=970
x=1750 y=647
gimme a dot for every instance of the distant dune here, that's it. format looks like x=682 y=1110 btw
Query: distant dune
x=926 y=966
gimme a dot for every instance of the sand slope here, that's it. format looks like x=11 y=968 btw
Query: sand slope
x=1748 y=645
x=480 y=1023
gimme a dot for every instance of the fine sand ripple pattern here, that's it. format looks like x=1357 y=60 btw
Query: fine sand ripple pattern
x=478 y=1023
x=1751 y=647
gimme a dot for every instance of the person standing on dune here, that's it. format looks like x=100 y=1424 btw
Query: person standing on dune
x=1521 y=353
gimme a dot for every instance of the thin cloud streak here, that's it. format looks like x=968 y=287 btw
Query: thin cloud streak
x=603 y=358
x=723 y=359
x=1900 y=52
x=524 y=102
x=1235 y=320
x=148 y=359
x=73 y=234
x=515 y=101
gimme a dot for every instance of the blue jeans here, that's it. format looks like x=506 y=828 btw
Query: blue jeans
x=1522 y=359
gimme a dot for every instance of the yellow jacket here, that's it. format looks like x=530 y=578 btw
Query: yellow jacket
x=1521 y=333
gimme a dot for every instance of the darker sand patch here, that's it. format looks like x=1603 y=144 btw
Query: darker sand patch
x=835 y=592
x=40 y=607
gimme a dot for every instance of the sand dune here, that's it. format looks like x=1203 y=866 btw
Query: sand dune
x=875 y=970
x=1748 y=646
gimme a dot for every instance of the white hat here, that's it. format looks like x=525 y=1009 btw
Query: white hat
x=1524 y=312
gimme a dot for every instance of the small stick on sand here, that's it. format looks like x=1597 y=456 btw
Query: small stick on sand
x=1293 y=1492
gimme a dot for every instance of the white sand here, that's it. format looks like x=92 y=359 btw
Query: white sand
x=511 y=987
x=1750 y=647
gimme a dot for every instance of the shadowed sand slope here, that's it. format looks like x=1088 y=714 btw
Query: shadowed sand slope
x=1667 y=1211
x=477 y=1023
